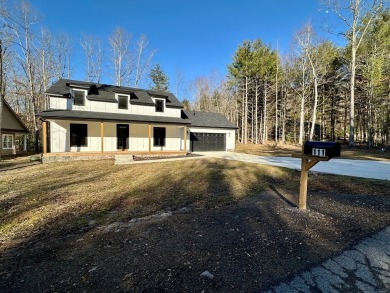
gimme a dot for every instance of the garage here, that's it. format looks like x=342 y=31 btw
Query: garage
x=206 y=142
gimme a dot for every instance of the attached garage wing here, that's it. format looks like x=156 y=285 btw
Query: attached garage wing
x=206 y=142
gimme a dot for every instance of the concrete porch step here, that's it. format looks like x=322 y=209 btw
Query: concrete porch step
x=123 y=159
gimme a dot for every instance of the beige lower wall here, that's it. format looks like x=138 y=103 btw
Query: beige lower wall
x=138 y=137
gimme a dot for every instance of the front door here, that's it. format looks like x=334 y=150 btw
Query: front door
x=122 y=133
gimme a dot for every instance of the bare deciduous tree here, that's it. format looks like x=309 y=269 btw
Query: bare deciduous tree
x=142 y=59
x=351 y=13
x=120 y=55
x=92 y=49
x=20 y=19
x=63 y=56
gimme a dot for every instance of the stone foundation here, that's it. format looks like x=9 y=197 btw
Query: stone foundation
x=52 y=159
x=119 y=159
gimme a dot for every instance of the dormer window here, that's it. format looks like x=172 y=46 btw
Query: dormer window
x=78 y=97
x=159 y=105
x=123 y=102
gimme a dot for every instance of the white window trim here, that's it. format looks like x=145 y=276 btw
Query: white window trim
x=128 y=100
x=12 y=141
x=85 y=96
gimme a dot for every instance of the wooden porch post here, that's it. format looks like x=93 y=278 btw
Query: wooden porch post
x=44 y=137
x=150 y=137
x=102 y=137
x=185 y=139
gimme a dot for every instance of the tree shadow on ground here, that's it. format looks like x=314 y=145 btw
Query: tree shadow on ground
x=209 y=215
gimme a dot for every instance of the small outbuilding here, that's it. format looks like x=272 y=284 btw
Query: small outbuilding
x=12 y=127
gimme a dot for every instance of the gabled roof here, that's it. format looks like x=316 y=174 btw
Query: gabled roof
x=10 y=121
x=106 y=93
x=207 y=119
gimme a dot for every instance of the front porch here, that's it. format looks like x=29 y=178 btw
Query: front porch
x=108 y=139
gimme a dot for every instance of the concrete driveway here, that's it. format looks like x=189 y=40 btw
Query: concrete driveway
x=356 y=168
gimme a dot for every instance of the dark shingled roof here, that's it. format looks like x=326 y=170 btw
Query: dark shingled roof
x=103 y=116
x=207 y=119
x=21 y=126
x=106 y=93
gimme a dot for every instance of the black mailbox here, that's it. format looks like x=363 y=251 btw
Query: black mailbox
x=328 y=149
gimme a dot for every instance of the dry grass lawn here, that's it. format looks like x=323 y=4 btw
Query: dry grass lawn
x=77 y=226
x=75 y=193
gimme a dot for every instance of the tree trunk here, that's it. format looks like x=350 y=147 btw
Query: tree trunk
x=345 y=117
x=284 y=96
x=256 y=114
x=252 y=121
x=333 y=117
x=314 y=116
x=302 y=119
x=242 y=117
x=237 y=116
x=352 y=99
x=265 y=130
x=246 y=112
x=1 y=95
x=276 y=102
x=369 y=120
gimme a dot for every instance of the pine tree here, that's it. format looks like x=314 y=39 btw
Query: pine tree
x=159 y=79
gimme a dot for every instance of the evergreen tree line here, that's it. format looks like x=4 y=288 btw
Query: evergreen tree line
x=316 y=92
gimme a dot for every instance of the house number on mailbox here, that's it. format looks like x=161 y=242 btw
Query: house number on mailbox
x=318 y=152
x=312 y=153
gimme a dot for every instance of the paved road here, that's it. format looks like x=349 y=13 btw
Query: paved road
x=363 y=268
x=357 y=168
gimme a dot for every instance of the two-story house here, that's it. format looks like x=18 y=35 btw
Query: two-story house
x=90 y=117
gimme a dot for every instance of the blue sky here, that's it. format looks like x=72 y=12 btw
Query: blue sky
x=194 y=37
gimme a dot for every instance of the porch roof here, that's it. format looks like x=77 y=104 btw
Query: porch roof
x=103 y=116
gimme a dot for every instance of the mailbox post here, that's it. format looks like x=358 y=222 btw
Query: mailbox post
x=312 y=153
